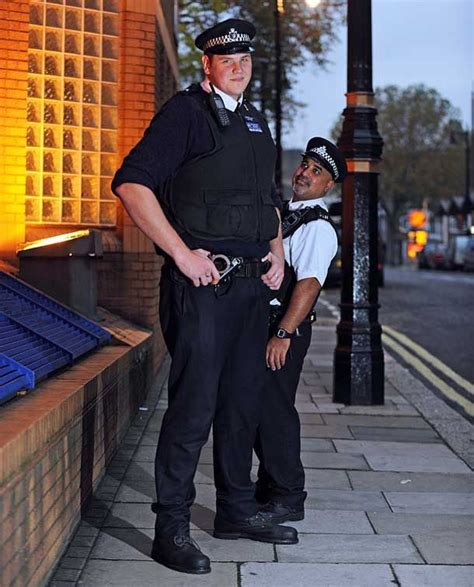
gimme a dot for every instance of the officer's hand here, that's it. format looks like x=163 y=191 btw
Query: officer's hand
x=198 y=267
x=274 y=276
x=276 y=352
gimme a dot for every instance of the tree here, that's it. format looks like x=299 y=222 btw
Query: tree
x=306 y=36
x=421 y=162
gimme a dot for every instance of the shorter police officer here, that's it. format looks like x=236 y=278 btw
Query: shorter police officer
x=310 y=242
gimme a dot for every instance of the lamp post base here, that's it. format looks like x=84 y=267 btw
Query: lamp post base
x=358 y=366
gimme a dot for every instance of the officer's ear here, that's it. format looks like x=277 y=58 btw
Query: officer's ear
x=329 y=186
x=206 y=64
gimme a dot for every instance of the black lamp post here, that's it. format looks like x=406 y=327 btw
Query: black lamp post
x=358 y=358
x=278 y=9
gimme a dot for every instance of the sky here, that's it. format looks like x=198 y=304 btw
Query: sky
x=413 y=41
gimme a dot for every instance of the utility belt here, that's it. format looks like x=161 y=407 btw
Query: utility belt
x=228 y=268
x=227 y=265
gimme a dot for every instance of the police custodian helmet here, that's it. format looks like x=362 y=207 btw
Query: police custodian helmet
x=327 y=155
x=229 y=36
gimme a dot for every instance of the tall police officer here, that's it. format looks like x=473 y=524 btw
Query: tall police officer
x=310 y=242
x=199 y=184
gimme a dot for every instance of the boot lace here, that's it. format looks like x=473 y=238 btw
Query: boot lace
x=183 y=540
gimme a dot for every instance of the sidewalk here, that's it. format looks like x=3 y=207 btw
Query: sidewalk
x=389 y=503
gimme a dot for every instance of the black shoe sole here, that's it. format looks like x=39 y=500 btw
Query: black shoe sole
x=181 y=569
x=250 y=536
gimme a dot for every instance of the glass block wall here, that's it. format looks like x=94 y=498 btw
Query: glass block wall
x=72 y=111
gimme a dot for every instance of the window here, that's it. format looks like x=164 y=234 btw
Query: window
x=72 y=112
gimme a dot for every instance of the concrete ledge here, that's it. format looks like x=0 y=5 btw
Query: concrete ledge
x=55 y=444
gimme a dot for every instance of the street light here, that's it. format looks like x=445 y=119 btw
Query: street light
x=358 y=357
x=279 y=8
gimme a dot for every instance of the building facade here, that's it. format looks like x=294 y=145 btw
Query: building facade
x=79 y=82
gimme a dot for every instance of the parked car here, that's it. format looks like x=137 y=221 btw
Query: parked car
x=433 y=256
x=456 y=249
x=468 y=258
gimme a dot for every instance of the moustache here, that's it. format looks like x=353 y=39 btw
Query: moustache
x=300 y=178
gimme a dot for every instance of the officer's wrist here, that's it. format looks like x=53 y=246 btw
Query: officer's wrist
x=180 y=254
x=283 y=334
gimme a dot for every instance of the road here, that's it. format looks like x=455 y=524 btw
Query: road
x=435 y=310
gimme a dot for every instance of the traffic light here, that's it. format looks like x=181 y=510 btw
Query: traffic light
x=417 y=218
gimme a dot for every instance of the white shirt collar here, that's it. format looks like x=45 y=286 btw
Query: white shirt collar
x=306 y=203
x=229 y=102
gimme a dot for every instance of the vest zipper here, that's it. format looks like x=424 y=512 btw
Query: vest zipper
x=259 y=205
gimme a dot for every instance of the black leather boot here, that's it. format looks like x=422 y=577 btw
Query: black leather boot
x=180 y=553
x=255 y=528
x=276 y=513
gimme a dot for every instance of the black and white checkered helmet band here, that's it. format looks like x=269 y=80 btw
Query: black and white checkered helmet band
x=322 y=152
x=231 y=37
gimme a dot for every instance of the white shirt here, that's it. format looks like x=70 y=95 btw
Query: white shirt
x=229 y=102
x=312 y=247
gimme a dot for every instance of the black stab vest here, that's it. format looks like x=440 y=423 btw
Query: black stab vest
x=226 y=193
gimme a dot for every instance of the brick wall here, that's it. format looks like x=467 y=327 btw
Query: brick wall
x=129 y=279
x=136 y=96
x=14 y=18
x=54 y=447
x=129 y=285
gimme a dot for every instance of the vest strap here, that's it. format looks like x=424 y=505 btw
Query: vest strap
x=293 y=219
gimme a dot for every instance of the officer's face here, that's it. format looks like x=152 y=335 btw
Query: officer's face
x=230 y=73
x=310 y=180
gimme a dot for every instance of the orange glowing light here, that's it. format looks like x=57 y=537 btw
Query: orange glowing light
x=417 y=218
x=413 y=249
x=52 y=240
x=421 y=237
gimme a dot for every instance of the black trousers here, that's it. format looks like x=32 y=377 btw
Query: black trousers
x=217 y=347
x=278 y=445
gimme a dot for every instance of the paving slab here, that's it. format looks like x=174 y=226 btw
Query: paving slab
x=154 y=423
x=334 y=499
x=311 y=419
x=322 y=431
x=386 y=481
x=326 y=479
x=350 y=549
x=150 y=574
x=132 y=544
x=404 y=456
x=446 y=549
x=317 y=445
x=322 y=460
x=130 y=515
x=150 y=439
x=431 y=503
x=316 y=575
x=132 y=492
x=326 y=408
x=333 y=522
x=395 y=434
x=306 y=407
x=145 y=470
x=380 y=421
x=390 y=523
x=71 y=575
x=390 y=410
x=434 y=575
